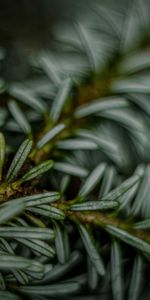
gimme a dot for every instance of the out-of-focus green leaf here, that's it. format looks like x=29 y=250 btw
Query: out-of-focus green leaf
x=136 y=283
x=20 y=117
x=92 y=180
x=60 y=99
x=26 y=233
x=116 y=271
x=50 y=135
x=61 y=243
x=60 y=289
x=14 y=262
x=99 y=105
x=11 y=210
x=129 y=239
x=91 y=250
x=5 y=295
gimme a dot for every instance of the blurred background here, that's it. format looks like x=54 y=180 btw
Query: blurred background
x=29 y=26
x=81 y=69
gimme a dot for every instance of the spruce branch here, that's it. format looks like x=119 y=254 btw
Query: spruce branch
x=74 y=169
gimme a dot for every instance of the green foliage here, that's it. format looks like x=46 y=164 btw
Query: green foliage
x=75 y=164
